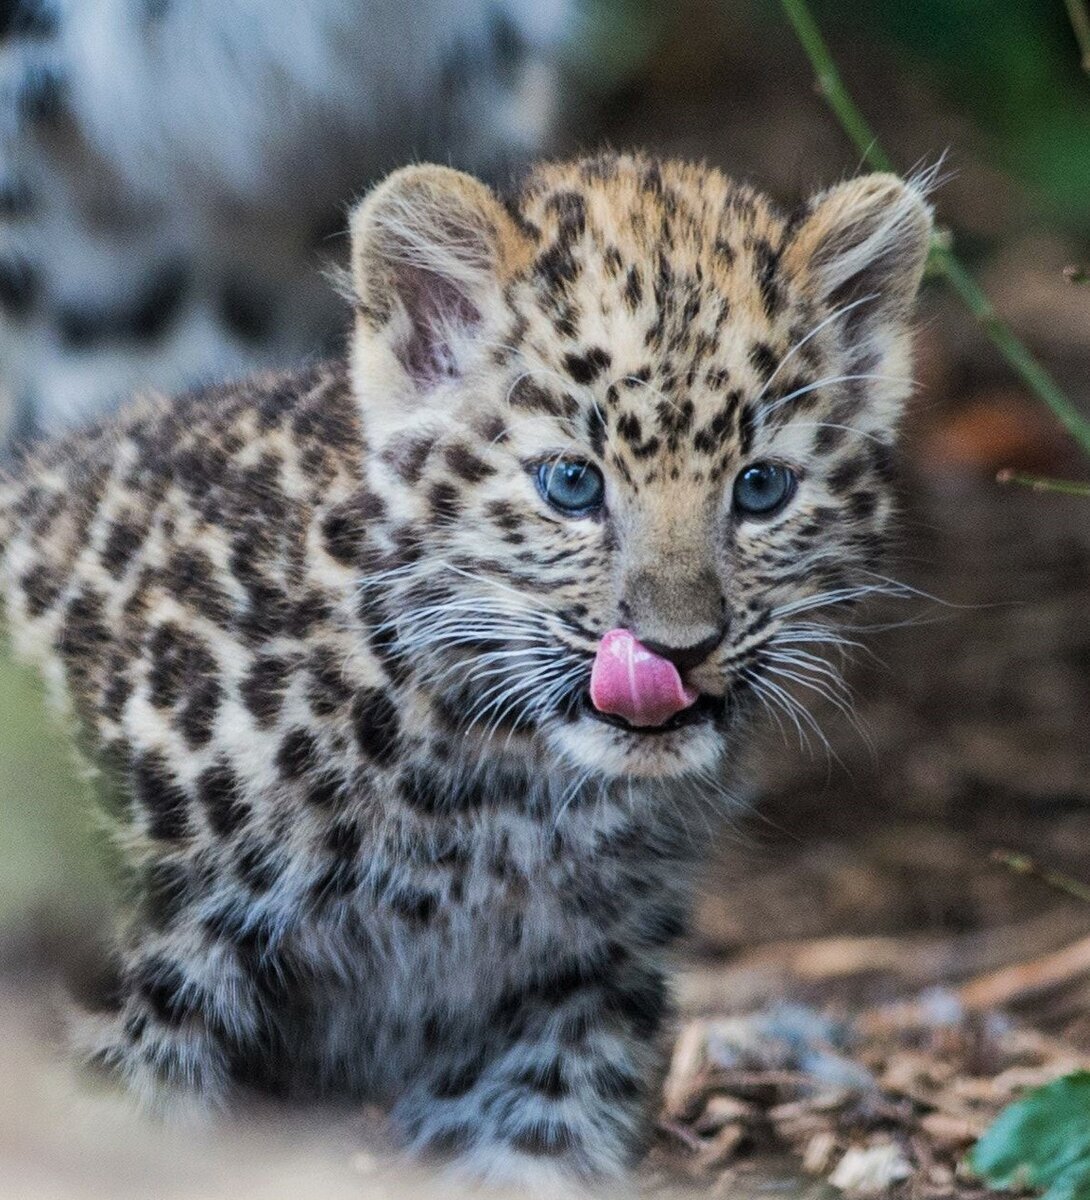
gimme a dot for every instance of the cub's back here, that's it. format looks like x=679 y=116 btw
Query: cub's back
x=147 y=562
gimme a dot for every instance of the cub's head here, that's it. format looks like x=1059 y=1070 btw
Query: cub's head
x=636 y=401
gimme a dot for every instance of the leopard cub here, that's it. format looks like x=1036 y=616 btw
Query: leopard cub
x=418 y=674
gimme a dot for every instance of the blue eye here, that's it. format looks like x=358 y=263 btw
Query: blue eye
x=763 y=489
x=573 y=487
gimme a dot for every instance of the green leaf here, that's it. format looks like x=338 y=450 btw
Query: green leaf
x=1042 y=1141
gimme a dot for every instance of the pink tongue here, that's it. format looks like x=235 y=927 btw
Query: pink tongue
x=630 y=681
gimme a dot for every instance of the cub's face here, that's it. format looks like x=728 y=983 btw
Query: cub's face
x=638 y=399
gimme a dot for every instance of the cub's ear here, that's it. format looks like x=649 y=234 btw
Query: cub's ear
x=865 y=243
x=431 y=250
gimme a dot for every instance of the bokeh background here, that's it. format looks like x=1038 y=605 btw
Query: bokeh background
x=866 y=872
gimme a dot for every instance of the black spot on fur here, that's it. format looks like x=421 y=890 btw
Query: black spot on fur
x=883 y=462
x=198 y=714
x=429 y=794
x=179 y=663
x=376 y=725
x=144 y=319
x=161 y=798
x=191 y=576
x=445 y=501
x=219 y=794
x=747 y=428
x=19 y=287
x=298 y=754
x=325 y=791
x=546 y=1078
x=408 y=454
x=556 y=266
x=829 y=438
x=339 y=877
x=457 y=1081
x=613 y=1083
x=726 y=252
x=327 y=689
x=709 y=438
x=467 y=465
x=264 y=687
x=122 y=542
x=414 y=905
x=82 y=636
x=586 y=367
x=545 y=1141
x=763 y=360
x=639 y=1000
x=41 y=95
x=532 y=397
x=629 y=428
x=767 y=263
x=596 y=430
x=571 y=208
x=29 y=18
x=246 y=310
x=504 y=515
x=164 y=988
x=861 y=505
x=41 y=587
x=847 y=474
x=633 y=288
x=343 y=532
x=16 y=200
x=448 y=1142
x=256 y=866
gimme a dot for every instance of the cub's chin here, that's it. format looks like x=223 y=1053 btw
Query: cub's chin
x=693 y=740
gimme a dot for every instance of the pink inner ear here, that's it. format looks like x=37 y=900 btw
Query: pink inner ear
x=437 y=307
x=632 y=682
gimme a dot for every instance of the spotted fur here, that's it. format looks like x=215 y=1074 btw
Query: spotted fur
x=334 y=647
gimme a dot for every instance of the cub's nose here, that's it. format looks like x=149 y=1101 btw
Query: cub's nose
x=687 y=657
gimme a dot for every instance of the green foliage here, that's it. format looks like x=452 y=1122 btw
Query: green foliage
x=1042 y=1141
x=47 y=856
x=1014 y=67
x=617 y=38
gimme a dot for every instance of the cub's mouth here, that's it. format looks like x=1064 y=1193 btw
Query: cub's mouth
x=634 y=688
x=706 y=708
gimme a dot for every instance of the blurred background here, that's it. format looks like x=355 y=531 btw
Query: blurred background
x=173 y=184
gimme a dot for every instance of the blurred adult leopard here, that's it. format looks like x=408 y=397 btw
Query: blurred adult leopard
x=424 y=674
x=175 y=174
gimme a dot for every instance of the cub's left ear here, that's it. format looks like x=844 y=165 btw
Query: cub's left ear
x=431 y=250
x=865 y=240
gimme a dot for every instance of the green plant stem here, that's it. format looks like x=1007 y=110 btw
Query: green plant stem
x=1022 y=864
x=942 y=259
x=1080 y=23
x=1041 y=483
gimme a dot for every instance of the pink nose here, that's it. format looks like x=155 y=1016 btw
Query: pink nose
x=630 y=681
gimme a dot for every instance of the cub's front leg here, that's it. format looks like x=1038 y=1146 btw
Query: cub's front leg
x=551 y=1091
x=178 y=1020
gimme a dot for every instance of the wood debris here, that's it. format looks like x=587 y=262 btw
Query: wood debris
x=871 y=1107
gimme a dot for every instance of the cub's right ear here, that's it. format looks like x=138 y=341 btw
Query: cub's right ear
x=431 y=251
x=864 y=240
